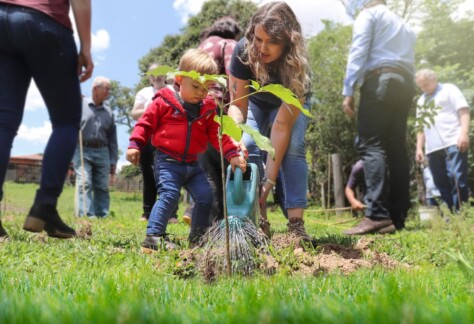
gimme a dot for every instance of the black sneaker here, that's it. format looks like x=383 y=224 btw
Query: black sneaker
x=3 y=233
x=196 y=235
x=46 y=217
x=155 y=242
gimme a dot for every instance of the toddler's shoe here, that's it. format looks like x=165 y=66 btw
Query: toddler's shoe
x=155 y=242
x=196 y=235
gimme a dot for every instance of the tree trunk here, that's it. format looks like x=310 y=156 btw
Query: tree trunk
x=338 y=182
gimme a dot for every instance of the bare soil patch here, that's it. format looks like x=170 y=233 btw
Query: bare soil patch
x=299 y=260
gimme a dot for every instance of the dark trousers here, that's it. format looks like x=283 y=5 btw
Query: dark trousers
x=382 y=117
x=449 y=167
x=210 y=161
x=35 y=46
x=149 y=184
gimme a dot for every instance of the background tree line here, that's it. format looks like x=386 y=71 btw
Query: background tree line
x=444 y=44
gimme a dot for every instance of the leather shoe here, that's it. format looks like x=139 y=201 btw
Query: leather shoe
x=3 y=233
x=368 y=225
x=46 y=217
x=387 y=229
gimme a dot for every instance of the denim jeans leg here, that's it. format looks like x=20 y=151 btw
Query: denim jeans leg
x=294 y=169
x=438 y=167
x=450 y=172
x=198 y=186
x=258 y=119
x=15 y=79
x=170 y=177
x=100 y=180
x=49 y=50
x=458 y=168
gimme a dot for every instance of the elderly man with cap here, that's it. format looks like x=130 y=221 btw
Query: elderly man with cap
x=381 y=62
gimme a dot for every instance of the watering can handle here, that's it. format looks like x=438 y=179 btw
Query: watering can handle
x=238 y=193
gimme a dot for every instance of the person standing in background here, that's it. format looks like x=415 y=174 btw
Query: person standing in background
x=142 y=99
x=382 y=61
x=356 y=180
x=96 y=156
x=36 y=42
x=446 y=141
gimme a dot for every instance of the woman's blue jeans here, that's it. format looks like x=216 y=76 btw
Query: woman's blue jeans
x=33 y=45
x=450 y=174
x=293 y=172
x=170 y=177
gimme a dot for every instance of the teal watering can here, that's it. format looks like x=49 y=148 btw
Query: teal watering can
x=242 y=193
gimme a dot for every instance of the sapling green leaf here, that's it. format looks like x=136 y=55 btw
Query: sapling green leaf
x=285 y=94
x=229 y=127
x=162 y=70
x=262 y=142
x=426 y=116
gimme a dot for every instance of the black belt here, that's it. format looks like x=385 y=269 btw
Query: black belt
x=93 y=144
x=169 y=159
x=387 y=69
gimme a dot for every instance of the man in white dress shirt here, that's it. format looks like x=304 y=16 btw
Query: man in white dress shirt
x=381 y=62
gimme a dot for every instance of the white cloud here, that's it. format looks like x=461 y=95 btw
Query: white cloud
x=465 y=9
x=308 y=12
x=34 y=100
x=36 y=135
x=187 y=8
x=100 y=41
x=121 y=164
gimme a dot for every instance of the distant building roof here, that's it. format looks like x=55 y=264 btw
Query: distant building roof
x=32 y=159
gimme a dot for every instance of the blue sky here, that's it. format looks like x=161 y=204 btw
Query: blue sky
x=123 y=31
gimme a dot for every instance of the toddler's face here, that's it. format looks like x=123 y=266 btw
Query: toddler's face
x=193 y=91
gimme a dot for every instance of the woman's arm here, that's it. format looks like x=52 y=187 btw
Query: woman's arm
x=280 y=138
x=82 y=16
x=239 y=99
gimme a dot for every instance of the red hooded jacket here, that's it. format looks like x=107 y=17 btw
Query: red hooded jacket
x=165 y=121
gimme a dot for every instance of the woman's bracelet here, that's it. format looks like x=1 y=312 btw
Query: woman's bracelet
x=265 y=179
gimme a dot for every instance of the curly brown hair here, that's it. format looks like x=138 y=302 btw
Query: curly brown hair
x=225 y=27
x=281 y=24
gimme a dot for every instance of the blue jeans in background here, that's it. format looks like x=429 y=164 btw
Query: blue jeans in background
x=95 y=179
x=171 y=176
x=293 y=172
x=33 y=45
x=450 y=175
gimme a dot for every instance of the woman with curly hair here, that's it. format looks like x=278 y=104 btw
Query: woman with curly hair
x=273 y=52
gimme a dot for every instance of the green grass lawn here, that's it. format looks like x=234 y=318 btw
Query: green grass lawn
x=106 y=279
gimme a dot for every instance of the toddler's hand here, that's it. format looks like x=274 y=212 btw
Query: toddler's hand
x=133 y=156
x=239 y=162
